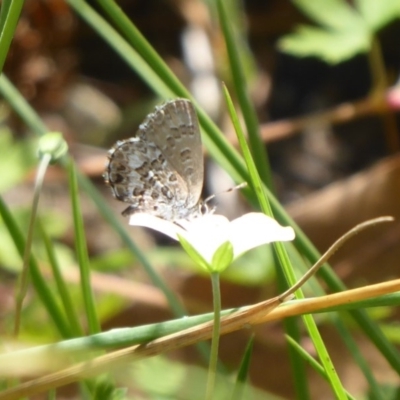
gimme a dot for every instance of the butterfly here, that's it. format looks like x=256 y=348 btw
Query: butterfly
x=160 y=171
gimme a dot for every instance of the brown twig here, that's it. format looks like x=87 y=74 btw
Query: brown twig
x=345 y=112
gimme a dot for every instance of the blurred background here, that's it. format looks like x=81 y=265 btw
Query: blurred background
x=328 y=111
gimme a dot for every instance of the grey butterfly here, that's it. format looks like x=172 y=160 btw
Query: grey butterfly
x=160 y=170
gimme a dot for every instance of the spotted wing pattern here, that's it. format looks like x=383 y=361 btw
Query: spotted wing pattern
x=160 y=170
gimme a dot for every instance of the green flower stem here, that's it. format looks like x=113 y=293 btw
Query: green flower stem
x=212 y=369
x=23 y=281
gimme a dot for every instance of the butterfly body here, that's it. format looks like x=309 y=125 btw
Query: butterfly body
x=160 y=170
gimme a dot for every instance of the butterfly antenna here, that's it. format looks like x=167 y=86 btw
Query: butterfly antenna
x=240 y=186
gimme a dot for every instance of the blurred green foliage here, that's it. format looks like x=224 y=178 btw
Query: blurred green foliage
x=342 y=30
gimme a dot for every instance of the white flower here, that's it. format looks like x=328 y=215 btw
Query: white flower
x=206 y=234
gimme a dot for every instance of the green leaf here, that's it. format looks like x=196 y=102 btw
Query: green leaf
x=223 y=257
x=194 y=254
x=332 y=14
x=344 y=30
x=330 y=46
x=377 y=14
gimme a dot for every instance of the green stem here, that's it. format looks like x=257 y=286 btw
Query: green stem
x=212 y=369
x=23 y=281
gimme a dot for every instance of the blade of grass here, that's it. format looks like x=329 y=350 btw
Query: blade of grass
x=314 y=363
x=21 y=106
x=285 y=263
x=279 y=254
x=61 y=285
x=240 y=383
x=146 y=51
x=324 y=356
x=39 y=283
x=257 y=146
x=9 y=15
x=81 y=251
x=375 y=390
x=254 y=177
x=293 y=328
x=291 y=325
x=4 y=9
x=49 y=147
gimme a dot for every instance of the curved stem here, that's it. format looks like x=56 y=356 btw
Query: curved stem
x=331 y=251
x=23 y=280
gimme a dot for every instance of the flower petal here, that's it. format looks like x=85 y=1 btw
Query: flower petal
x=206 y=233
x=196 y=256
x=161 y=225
x=204 y=223
x=254 y=229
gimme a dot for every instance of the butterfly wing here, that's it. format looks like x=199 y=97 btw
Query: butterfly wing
x=139 y=174
x=160 y=171
x=174 y=128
